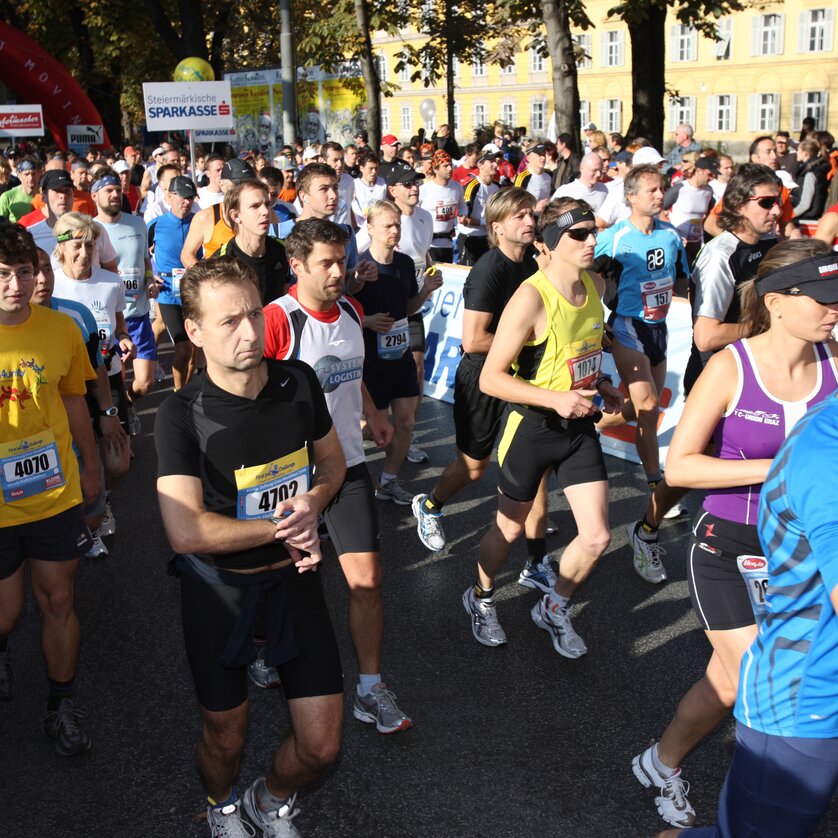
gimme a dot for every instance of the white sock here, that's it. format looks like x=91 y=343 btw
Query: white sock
x=386 y=477
x=367 y=682
x=557 y=602
x=663 y=770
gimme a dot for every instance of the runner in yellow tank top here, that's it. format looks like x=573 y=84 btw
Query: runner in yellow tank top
x=545 y=361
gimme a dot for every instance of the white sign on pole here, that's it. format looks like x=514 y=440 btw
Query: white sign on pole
x=21 y=121
x=443 y=315
x=84 y=135
x=179 y=105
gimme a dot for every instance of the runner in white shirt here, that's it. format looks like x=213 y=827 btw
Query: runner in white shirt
x=156 y=209
x=689 y=202
x=720 y=182
x=473 y=237
x=332 y=154
x=369 y=187
x=587 y=186
x=212 y=193
x=443 y=198
x=534 y=179
x=615 y=208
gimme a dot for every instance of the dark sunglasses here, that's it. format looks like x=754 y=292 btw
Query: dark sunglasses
x=580 y=234
x=767 y=201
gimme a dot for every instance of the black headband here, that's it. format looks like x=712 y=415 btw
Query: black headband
x=551 y=235
x=816 y=277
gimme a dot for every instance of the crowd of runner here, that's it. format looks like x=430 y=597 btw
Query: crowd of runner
x=292 y=292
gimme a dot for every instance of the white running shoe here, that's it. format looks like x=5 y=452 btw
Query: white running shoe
x=672 y=802
x=428 y=525
x=565 y=640
x=226 y=822
x=647 y=555
x=484 y=619
x=275 y=824
x=676 y=512
x=97 y=548
x=541 y=576
x=108 y=525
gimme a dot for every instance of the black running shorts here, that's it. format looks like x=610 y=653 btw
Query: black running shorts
x=477 y=417
x=650 y=339
x=391 y=380
x=718 y=591
x=209 y=613
x=532 y=443
x=173 y=320
x=61 y=538
x=352 y=516
x=416 y=324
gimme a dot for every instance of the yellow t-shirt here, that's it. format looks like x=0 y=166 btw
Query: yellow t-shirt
x=41 y=360
x=569 y=353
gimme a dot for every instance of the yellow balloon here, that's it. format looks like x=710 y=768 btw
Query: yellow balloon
x=193 y=69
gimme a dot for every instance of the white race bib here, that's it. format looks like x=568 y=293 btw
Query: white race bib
x=393 y=344
x=30 y=466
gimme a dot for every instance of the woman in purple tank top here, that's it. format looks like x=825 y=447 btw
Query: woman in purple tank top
x=737 y=416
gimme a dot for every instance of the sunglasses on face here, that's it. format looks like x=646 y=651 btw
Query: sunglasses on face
x=580 y=234
x=766 y=202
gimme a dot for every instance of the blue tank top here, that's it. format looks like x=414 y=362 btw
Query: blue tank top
x=168 y=234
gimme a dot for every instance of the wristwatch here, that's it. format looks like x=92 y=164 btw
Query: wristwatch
x=109 y=411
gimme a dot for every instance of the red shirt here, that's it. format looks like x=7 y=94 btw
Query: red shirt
x=463 y=175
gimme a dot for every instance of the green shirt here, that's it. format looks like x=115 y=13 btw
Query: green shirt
x=15 y=203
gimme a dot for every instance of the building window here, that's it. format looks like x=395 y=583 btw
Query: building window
x=721 y=113
x=509 y=69
x=407 y=119
x=584 y=112
x=724 y=39
x=584 y=50
x=767 y=34
x=681 y=109
x=815 y=30
x=404 y=73
x=479 y=117
x=538 y=116
x=809 y=103
x=684 y=43
x=478 y=68
x=385 y=120
x=610 y=115
x=507 y=113
x=381 y=67
x=764 y=112
x=613 y=53
x=536 y=61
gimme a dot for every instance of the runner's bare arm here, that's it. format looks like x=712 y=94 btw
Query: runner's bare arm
x=711 y=335
x=476 y=337
x=195 y=238
x=78 y=417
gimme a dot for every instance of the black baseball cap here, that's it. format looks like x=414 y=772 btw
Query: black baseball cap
x=56 y=179
x=183 y=187
x=538 y=148
x=236 y=170
x=403 y=175
x=709 y=163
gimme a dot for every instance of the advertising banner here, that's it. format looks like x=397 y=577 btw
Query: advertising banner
x=181 y=106
x=443 y=315
x=21 y=121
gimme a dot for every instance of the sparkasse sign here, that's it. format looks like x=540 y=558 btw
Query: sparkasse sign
x=21 y=121
x=177 y=106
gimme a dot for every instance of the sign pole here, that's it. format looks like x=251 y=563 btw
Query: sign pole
x=192 y=160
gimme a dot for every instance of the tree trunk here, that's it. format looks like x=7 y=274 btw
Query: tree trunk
x=370 y=74
x=648 y=82
x=565 y=85
x=449 y=69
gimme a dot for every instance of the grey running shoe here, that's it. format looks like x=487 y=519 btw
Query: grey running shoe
x=62 y=725
x=226 y=822
x=672 y=802
x=108 y=525
x=380 y=707
x=394 y=491
x=484 y=619
x=135 y=426
x=7 y=677
x=159 y=374
x=647 y=555
x=261 y=674
x=428 y=525
x=539 y=576
x=416 y=455
x=97 y=548
x=676 y=512
x=565 y=640
x=276 y=824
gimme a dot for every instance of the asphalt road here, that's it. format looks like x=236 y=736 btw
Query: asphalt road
x=514 y=741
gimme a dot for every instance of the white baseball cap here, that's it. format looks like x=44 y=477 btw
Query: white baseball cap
x=646 y=155
x=121 y=166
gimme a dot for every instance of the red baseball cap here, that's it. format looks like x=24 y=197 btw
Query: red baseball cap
x=390 y=139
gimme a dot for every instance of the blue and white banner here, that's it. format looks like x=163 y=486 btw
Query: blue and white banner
x=443 y=314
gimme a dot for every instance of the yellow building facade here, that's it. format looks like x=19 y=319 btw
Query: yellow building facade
x=768 y=68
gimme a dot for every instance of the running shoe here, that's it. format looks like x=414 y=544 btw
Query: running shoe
x=159 y=374
x=539 y=576
x=63 y=726
x=7 y=677
x=647 y=555
x=135 y=426
x=276 y=824
x=394 y=491
x=322 y=529
x=484 y=619
x=108 y=525
x=380 y=708
x=672 y=802
x=676 y=512
x=226 y=822
x=552 y=527
x=416 y=455
x=565 y=640
x=428 y=525
x=97 y=548
x=261 y=674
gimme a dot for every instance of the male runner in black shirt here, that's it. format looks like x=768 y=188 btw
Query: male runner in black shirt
x=239 y=502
